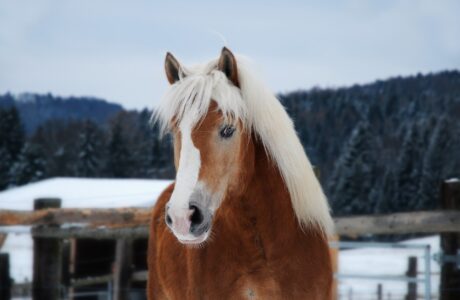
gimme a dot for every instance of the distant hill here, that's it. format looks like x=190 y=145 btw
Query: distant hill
x=383 y=146
x=380 y=147
x=35 y=109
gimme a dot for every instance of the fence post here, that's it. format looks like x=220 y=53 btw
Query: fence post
x=5 y=280
x=122 y=269
x=333 y=252
x=412 y=273
x=72 y=266
x=379 y=292
x=450 y=243
x=47 y=259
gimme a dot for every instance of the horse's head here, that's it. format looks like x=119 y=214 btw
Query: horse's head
x=211 y=143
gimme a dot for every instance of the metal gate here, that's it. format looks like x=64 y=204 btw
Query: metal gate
x=426 y=280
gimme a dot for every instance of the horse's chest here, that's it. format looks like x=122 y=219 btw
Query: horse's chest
x=243 y=275
x=258 y=288
x=230 y=269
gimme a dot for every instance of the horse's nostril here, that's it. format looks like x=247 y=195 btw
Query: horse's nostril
x=196 y=217
x=199 y=220
x=168 y=220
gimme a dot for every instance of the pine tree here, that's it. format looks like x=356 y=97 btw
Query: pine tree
x=11 y=143
x=435 y=165
x=162 y=154
x=388 y=193
x=90 y=151
x=30 y=166
x=5 y=166
x=11 y=132
x=119 y=161
x=157 y=152
x=409 y=171
x=353 y=175
x=3 y=127
x=144 y=146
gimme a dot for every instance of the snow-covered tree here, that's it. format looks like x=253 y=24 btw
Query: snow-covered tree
x=5 y=165
x=90 y=151
x=387 y=201
x=119 y=159
x=30 y=166
x=11 y=132
x=409 y=171
x=156 y=152
x=435 y=165
x=353 y=175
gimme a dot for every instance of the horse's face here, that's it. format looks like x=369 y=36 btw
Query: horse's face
x=209 y=161
x=209 y=158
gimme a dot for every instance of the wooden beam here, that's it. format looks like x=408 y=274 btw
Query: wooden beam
x=116 y=222
x=82 y=282
x=93 y=233
x=412 y=273
x=140 y=276
x=47 y=268
x=95 y=216
x=5 y=279
x=72 y=267
x=123 y=269
x=450 y=244
x=411 y=222
x=2 y=239
x=414 y=222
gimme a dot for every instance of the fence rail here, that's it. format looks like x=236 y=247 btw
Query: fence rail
x=133 y=222
x=94 y=216
x=398 y=223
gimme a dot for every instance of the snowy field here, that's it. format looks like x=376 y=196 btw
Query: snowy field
x=385 y=261
x=74 y=193
x=359 y=261
x=104 y=193
x=83 y=192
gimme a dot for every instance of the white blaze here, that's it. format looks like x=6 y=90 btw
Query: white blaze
x=187 y=175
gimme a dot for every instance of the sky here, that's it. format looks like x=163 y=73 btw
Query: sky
x=115 y=49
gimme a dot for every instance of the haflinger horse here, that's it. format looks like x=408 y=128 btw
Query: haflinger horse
x=246 y=217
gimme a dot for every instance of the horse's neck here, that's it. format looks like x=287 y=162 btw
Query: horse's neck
x=269 y=192
x=265 y=209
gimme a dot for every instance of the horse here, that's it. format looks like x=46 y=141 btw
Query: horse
x=246 y=217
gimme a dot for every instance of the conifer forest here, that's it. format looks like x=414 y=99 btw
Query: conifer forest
x=381 y=147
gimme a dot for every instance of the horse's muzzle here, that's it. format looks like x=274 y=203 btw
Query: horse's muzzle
x=190 y=224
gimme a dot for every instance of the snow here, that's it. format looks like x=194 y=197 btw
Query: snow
x=74 y=193
x=19 y=246
x=452 y=180
x=84 y=192
x=385 y=261
x=25 y=98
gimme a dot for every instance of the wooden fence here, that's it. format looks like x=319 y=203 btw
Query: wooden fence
x=131 y=223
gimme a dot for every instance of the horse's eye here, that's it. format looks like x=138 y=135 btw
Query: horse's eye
x=227 y=131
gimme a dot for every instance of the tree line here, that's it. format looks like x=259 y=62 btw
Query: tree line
x=127 y=147
x=381 y=147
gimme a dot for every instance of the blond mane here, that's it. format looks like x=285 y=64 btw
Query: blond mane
x=261 y=112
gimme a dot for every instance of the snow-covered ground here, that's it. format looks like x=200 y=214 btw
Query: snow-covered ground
x=385 y=261
x=74 y=193
x=85 y=192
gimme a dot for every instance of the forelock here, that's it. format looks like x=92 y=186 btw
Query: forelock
x=191 y=96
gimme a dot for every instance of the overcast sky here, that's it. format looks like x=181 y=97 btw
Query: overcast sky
x=115 y=49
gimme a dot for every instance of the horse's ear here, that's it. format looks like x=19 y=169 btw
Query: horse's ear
x=227 y=64
x=172 y=68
